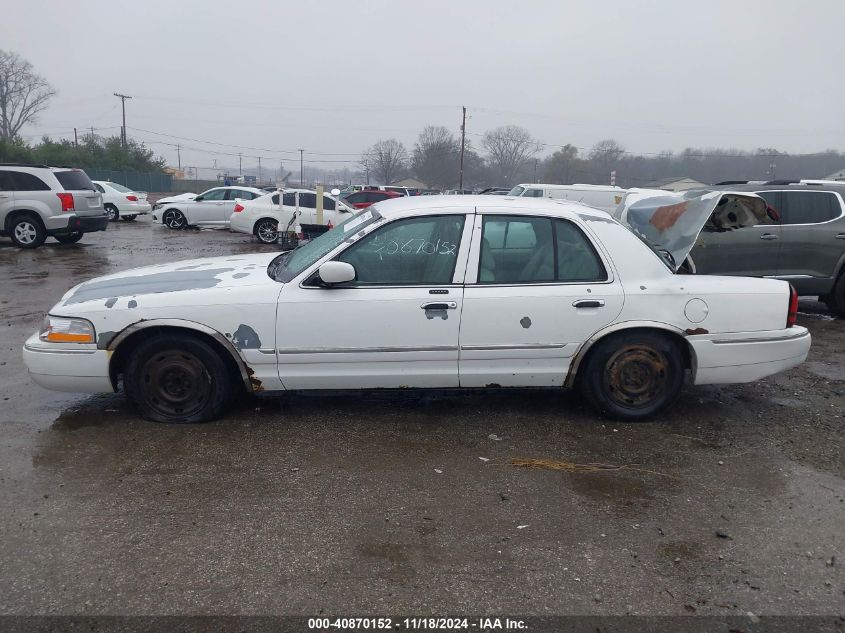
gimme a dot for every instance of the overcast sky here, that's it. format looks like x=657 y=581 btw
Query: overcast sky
x=334 y=76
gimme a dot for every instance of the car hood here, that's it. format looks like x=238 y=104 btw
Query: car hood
x=178 y=277
x=672 y=221
x=182 y=197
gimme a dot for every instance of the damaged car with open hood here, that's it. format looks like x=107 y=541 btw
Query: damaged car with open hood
x=432 y=292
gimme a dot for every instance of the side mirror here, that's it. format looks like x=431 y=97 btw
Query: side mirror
x=332 y=273
x=335 y=192
x=197 y=199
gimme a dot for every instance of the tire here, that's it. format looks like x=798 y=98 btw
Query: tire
x=70 y=238
x=27 y=231
x=112 y=212
x=835 y=301
x=130 y=218
x=177 y=380
x=633 y=375
x=267 y=231
x=174 y=219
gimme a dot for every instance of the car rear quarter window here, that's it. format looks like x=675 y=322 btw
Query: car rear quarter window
x=74 y=180
x=809 y=207
x=328 y=203
x=21 y=181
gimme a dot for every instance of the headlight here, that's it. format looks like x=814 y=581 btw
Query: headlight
x=66 y=330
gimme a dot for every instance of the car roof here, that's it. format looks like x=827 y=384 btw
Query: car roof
x=430 y=205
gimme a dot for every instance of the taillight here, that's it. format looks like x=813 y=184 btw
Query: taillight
x=792 y=313
x=132 y=198
x=239 y=207
x=67 y=201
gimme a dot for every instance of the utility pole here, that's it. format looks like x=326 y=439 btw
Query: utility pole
x=75 y=139
x=535 y=170
x=259 y=171
x=92 y=136
x=240 y=164
x=123 y=99
x=463 y=144
x=301 y=172
x=179 y=156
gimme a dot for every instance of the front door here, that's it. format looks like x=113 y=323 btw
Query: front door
x=536 y=290
x=395 y=326
x=207 y=208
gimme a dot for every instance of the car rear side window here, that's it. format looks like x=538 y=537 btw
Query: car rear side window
x=27 y=182
x=524 y=250
x=6 y=183
x=74 y=180
x=809 y=207
x=288 y=199
x=308 y=200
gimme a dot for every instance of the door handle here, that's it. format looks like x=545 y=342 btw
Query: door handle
x=768 y=236
x=840 y=236
x=588 y=303
x=440 y=305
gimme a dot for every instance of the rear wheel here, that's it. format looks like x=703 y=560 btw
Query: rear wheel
x=177 y=379
x=27 y=231
x=836 y=299
x=633 y=375
x=174 y=219
x=70 y=238
x=112 y=212
x=130 y=218
x=267 y=231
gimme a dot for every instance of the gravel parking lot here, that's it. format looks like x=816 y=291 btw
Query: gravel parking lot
x=734 y=502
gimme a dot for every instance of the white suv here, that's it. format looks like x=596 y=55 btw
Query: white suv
x=37 y=201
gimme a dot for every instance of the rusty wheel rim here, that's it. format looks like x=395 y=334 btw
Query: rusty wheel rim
x=635 y=376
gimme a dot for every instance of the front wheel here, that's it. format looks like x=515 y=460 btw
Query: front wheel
x=112 y=212
x=177 y=379
x=267 y=231
x=70 y=238
x=174 y=219
x=632 y=376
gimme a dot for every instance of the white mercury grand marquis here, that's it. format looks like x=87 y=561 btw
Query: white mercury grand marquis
x=424 y=292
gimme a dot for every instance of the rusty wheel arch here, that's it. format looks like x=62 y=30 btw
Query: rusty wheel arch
x=123 y=342
x=663 y=329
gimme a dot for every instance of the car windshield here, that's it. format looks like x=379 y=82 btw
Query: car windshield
x=118 y=187
x=516 y=191
x=289 y=264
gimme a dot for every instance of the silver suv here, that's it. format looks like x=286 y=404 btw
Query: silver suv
x=803 y=240
x=37 y=201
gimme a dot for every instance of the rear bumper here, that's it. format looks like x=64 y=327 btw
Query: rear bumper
x=140 y=208
x=747 y=356
x=239 y=223
x=82 y=224
x=69 y=367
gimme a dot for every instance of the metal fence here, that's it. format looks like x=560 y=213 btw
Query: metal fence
x=135 y=180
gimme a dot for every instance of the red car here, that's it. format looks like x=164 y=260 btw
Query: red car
x=363 y=199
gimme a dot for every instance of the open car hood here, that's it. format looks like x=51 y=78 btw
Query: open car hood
x=672 y=221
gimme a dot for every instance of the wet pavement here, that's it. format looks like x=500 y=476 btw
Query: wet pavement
x=733 y=502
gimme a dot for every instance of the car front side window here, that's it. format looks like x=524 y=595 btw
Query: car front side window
x=213 y=195
x=416 y=251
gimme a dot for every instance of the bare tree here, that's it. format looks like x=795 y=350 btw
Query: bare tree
x=23 y=94
x=509 y=147
x=436 y=156
x=604 y=156
x=387 y=160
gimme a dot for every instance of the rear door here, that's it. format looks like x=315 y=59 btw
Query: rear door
x=536 y=289
x=307 y=207
x=812 y=237
x=751 y=251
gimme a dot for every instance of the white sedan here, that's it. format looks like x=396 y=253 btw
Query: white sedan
x=211 y=208
x=122 y=202
x=434 y=292
x=266 y=216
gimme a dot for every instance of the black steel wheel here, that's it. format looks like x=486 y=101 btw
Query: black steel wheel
x=177 y=379
x=633 y=375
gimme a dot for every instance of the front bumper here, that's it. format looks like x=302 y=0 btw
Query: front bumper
x=747 y=356
x=68 y=367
